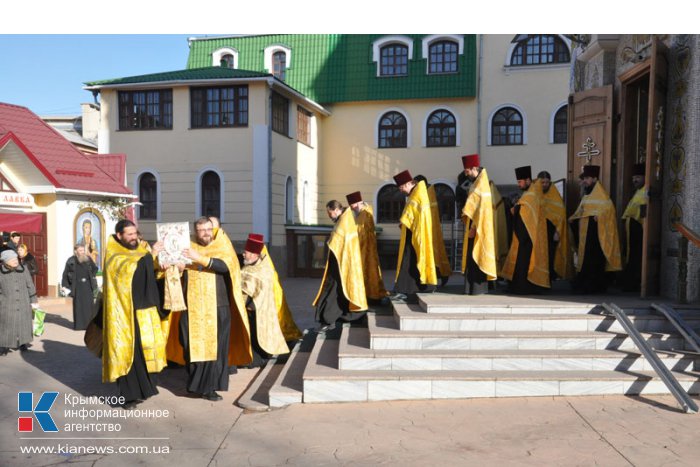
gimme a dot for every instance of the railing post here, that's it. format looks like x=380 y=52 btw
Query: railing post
x=682 y=269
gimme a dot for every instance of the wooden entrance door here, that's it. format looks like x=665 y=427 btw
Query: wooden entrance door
x=652 y=75
x=590 y=139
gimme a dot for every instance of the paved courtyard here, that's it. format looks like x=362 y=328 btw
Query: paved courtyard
x=605 y=430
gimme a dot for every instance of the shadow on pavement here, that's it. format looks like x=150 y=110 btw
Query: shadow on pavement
x=72 y=365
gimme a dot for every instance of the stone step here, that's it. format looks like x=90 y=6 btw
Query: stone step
x=288 y=387
x=354 y=354
x=324 y=382
x=414 y=318
x=535 y=304
x=384 y=334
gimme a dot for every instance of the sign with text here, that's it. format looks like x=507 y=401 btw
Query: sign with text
x=16 y=199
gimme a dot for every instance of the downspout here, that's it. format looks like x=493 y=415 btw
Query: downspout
x=478 y=94
x=269 y=166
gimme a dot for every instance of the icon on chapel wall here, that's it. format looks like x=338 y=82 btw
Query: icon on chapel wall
x=88 y=231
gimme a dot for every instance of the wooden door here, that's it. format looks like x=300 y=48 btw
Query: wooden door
x=590 y=139
x=651 y=252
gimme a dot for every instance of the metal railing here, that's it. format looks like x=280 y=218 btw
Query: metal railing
x=684 y=400
x=686 y=331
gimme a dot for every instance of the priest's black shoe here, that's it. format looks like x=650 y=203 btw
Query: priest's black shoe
x=129 y=405
x=212 y=396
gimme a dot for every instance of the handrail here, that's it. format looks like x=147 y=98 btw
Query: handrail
x=684 y=400
x=692 y=237
x=682 y=327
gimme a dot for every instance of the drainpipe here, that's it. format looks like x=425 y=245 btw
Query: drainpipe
x=478 y=94
x=269 y=166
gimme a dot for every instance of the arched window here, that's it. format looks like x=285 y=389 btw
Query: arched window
x=211 y=194
x=441 y=129
x=394 y=60
x=507 y=127
x=540 y=49
x=227 y=61
x=560 y=126
x=225 y=57
x=148 y=196
x=443 y=57
x=289 y=201
x=279 y=64
x=390 y=204
x=446 y=201
x=393 y=130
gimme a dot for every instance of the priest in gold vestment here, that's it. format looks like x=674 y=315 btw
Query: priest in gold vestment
x=442 y=261
x=342 y=295
x=364 y=218
x=289 y=328
x=598 y=240
x=415 y=270
x=479 y=251
x=214 y=330
x=561 y=261
x=633 y=218
x=134 y=327
x=257 y=281
x=527 y=264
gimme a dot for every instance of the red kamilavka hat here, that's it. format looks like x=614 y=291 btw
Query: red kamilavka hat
x=353 y=198
x=254 y=244
x=403 y=177
x=470 y=161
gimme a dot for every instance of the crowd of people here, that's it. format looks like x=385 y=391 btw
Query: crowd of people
x=17 y=294
x=545 y=243
x=215 y=311
x=212 y=312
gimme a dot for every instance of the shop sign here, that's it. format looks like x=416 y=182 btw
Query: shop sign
x=16 y=199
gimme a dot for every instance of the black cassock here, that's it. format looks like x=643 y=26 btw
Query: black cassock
x=408 y=281
x=520 y=284
x=80 y=279
x=631 y=278
x=212 y=375
x=592 y=277
x=332 y=303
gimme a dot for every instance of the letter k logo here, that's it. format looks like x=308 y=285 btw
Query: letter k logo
x=25 y=403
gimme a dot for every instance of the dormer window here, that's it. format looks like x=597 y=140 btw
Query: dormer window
x=394 y=60
x=227 y=61
x=226 y=57
x=392 y=54
x=278 y=59
x=279 y=64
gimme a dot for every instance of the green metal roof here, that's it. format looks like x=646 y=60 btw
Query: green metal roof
x=190 y=74
x=332 y=68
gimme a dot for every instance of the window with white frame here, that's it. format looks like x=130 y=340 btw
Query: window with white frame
x=277 y=60
x=507 y=127
x=443 y=57
x=148 y=197
x=441 y=129
x=392 y=55
x=560 y=126
x=210 y=194
x=540 y=49
x=394 y=60
x=393 y=130
x=226 y=57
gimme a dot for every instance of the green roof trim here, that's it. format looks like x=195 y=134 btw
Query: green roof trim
x=330 y=68
x=190 y=74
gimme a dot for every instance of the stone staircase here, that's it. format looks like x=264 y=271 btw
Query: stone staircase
x=454 y=346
